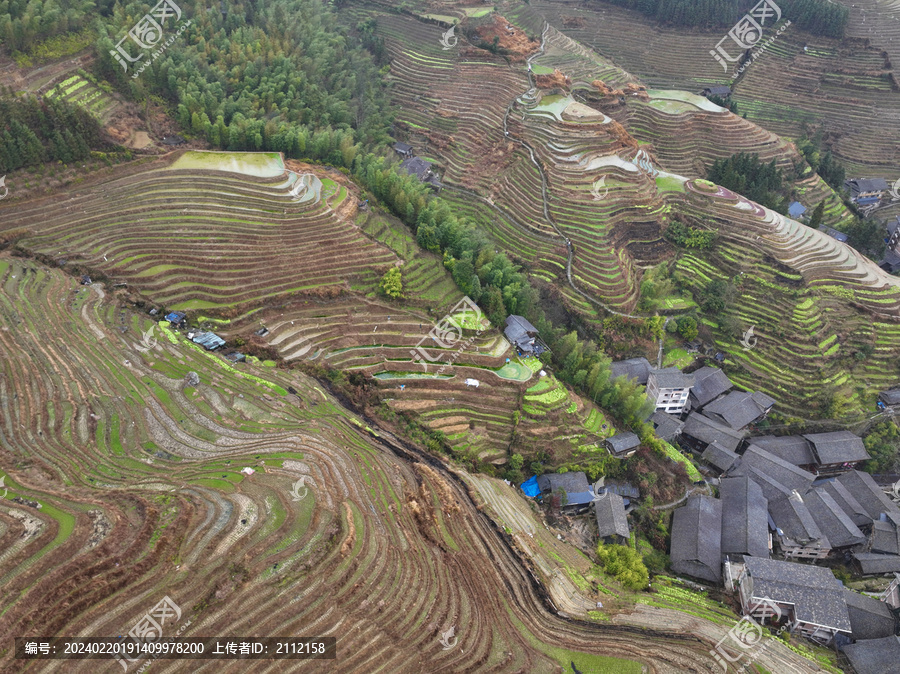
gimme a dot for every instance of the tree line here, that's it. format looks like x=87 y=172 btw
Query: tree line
x=819 y=17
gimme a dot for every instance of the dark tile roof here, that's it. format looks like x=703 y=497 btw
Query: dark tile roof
x=623 y=489
x=667 y=426
x=402 y=147
x=706 y=430
x=720 y=90
x=709 y=384
x=671 y=377
x=846 y=501
x=869 y=617
x=418 y=167
x=610 y=512
x=772 y=489
x=738 y=408
x=833 y=233
x=886 y=538
x=520 y=332
x=744 y=512
x=575 y=485
x=633 y=368
x=697 y=539
x=623 y=442
x=838 y=447
x=891 y=397
x=716 y=455
x=778 y=469
x=875 y=656
x=833 y=522
x=870 y=496
x=792 y=448
x=792 y=517
x=872 y=563
x=817 y=596
x=857 y=185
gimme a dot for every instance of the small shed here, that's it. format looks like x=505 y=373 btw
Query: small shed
x=796 y=209
x=176 y=318
x=623 y=445
x=208 y=340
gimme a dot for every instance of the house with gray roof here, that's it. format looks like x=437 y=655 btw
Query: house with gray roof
x=838 y=451
x=796 y=531
x=792 y=448
x=523 y=336
x=700 y=431
x=890 y=397
x=874 y=656
x=886 y=537
x=809 y=597
x=666 y=426
x=636 y=369
x=870 y=618
x=623 y=445
x=866 y=191
x=669 y=388
x=697 y=539
x=739 y=409
x=709 y=384
x=612 y=523
x=869 y=495
x=578 y=492
x=416 y=166
x=781 y=471
x=832 y=520
x=745 y=518
x=719 y=457
x=772 y=489
x=873 y=564
x=845 y=500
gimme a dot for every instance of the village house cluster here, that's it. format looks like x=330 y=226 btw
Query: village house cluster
x=786 y=506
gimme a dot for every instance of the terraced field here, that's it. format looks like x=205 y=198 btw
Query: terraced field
x=843 y=87
x=127 y=483
x=553 y=178
x=78 y=90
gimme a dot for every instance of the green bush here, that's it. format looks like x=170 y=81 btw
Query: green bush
x=625 y=565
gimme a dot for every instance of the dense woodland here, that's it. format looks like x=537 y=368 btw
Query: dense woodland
x=248 y=78
x=819 y=17
x=747 y=175
x=38 y=130
x=24 y=23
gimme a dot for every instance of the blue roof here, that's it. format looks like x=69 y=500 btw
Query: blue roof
x=796 y=209
x=530 y=487
x=580 y=498
x=208 y=340
x=175 y=316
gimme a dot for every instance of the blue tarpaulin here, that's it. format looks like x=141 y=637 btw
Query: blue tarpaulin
x=530 y=487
